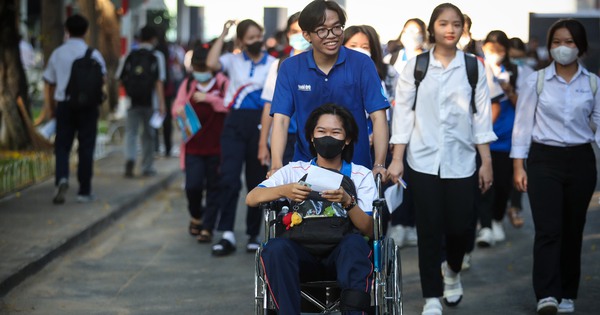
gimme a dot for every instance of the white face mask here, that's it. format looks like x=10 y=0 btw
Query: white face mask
x=463 y=42
x=361 y=50
x=494 y=59
x=564 y=55
x=411 y=41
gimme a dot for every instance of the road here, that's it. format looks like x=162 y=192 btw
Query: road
x=146 y=263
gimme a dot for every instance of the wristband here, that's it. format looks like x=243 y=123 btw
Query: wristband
x=378 y=165
x=351 y=205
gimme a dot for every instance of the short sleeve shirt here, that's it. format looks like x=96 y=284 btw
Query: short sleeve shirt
x=353 y=82
x=58 y=70
x=362 y=177
x=246 y=80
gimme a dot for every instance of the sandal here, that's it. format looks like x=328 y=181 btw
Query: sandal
x=205 y=236
x=194 y=228
x=514 y=214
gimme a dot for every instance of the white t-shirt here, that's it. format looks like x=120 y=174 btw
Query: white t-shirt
x=366 y=192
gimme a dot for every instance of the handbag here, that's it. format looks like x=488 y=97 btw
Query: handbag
x=316 y=224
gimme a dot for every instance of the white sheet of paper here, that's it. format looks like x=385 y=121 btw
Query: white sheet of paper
x=156 y=120
x=321 y=179
x=394 y=196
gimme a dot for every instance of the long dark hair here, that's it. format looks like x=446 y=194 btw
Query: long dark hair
x=436 y=14
x=500 y=38
x=374 y=44
x=348 y=122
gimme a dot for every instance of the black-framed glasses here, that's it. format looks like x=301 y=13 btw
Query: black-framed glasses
x=322 y=33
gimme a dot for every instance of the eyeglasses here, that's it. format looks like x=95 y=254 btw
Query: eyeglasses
x=322 y=33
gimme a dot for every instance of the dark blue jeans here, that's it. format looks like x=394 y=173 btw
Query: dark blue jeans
x=84 y=123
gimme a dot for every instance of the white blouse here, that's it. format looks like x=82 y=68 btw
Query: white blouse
x=561 y=116
x=442 y=131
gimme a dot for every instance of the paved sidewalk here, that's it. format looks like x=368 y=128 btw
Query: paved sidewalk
x=33 y=231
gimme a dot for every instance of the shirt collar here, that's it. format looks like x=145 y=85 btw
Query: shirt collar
x=76 y=40
x=263 y=60
x=346 y=167
x=551 y=71
x=458 y=61
x=146 y=46
x=340 y=58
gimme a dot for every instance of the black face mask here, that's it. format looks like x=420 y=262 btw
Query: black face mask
x=255 y=48
x=329 y=147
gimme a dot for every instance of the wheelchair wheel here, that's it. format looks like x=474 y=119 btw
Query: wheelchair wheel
x=390 y=293
x=262 y=301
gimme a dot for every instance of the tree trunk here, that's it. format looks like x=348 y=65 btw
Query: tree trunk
x=52 y=32
x=16 y=130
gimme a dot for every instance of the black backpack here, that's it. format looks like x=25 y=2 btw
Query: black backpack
x=84 y=89
x=139 y=76
x=422 y=64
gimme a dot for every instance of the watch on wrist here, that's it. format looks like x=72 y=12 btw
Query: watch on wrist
x=351 y=205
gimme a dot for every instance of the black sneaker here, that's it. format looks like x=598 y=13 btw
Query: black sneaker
x=253 y=245
x=129 y=169
x=61 y=191
x=223 y=248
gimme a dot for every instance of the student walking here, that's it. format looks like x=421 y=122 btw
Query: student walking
x=247 y=73
x=552 y=134
x=204 y=90
x=74 y=117
x=142 y=73
x=441 y=126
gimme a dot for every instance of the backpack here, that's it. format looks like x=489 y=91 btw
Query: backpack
x=139 y=76
x=84 y=89
x=542 y=73
x=472 y=74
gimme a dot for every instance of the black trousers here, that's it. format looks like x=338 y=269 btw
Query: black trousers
x=201 y=173
x=239 y=150
x=493 y=202
x=84 y=124
x=444 y=211
x=561 y=182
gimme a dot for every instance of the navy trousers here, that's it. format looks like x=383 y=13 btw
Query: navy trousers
x=287 y=264
x=84 y=124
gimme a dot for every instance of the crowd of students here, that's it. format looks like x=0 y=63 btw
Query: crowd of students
x=477 y=129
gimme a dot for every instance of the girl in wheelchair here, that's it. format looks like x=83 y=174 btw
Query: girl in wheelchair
x=332 y=131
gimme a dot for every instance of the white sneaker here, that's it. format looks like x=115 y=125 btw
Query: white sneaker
x=432 y=307
x=498 y=231
x=566 y=306
x=411 y=236
x=398 y=233
x=547 y=306
x=485 y=238
x=466 y=263
x=453 y=290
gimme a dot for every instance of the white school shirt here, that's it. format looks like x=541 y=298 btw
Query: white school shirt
x=269 y=88
x=362 y=177
x=561 y=117
x=245 y=76
x=58 y=70
x=442 y=132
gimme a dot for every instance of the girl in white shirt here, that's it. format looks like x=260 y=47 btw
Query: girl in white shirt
x=552 y=132
x=441 y=136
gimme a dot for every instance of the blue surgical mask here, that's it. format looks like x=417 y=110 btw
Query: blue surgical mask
x=298 y=42
x=202 y=76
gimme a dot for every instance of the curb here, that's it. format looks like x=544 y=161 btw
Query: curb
x=86 y=234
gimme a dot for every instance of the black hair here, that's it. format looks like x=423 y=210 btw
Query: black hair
x=76 y=25
x=374 y=44
x=313 y=15
x=436 y=14
x=577 y=32
x=348 y=123
x=199 y=55
x=500 y=38
x=148 y=33
x=518 y=44
x=243 y=26
x=291 y=20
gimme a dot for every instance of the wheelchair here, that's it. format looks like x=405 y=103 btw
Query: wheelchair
x=323 y=297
